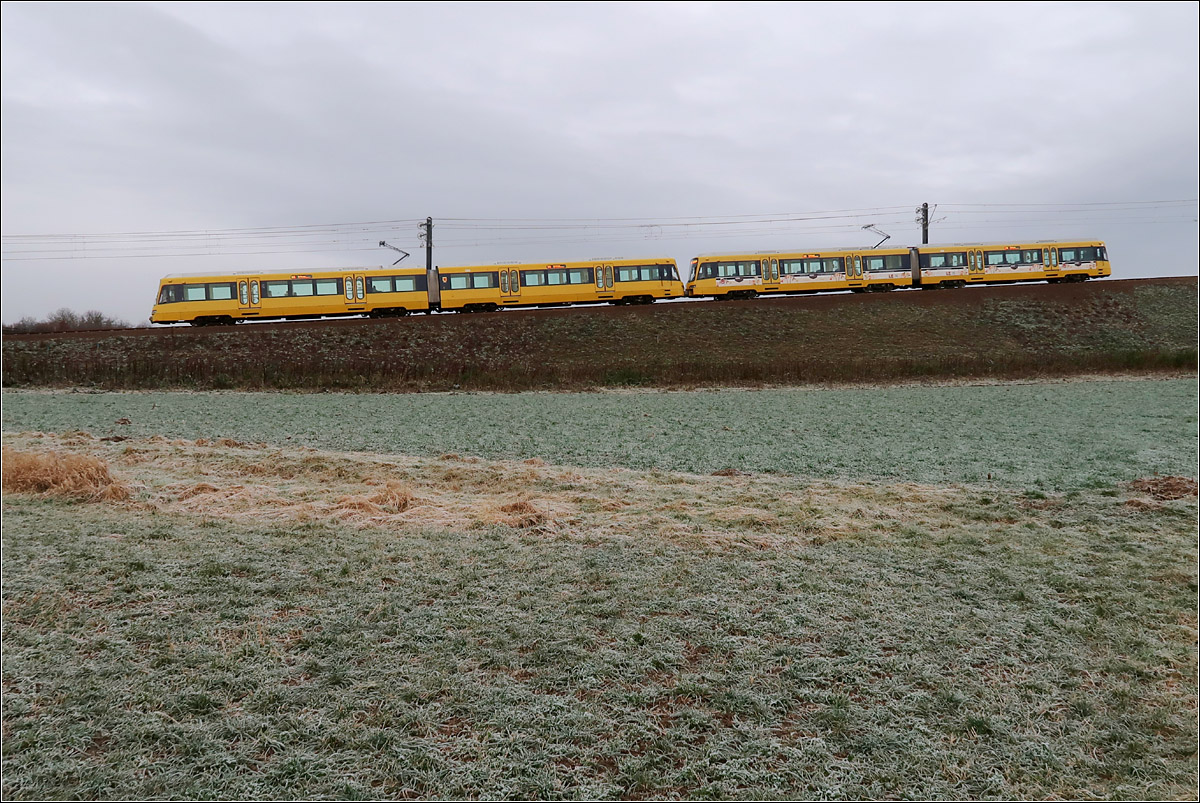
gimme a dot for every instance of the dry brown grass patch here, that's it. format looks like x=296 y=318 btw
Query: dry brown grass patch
x=455 y=492
x=1166 y=488
x=1138 y=504
x=59 y=474
x=196 y=490
x=395 y=497
x=523 y=514
x=358 y=504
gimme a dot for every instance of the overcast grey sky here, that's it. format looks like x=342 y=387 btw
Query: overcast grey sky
x=752 y=124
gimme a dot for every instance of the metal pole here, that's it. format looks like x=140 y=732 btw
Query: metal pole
x=428 y=243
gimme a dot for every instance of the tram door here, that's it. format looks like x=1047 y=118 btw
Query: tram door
x=604 y=281
x=1050 y=262
x=770 y=273
x=510 y=286
x=975 y=260
x=249 y=297
x=354 y=287
x=854 y=270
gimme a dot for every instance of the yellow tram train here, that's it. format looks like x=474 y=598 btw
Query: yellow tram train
x=205 y=299
x=201 y=299
x=728 y=276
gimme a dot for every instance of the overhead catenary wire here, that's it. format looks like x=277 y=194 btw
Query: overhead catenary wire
x=462 y=232
x=301 y=238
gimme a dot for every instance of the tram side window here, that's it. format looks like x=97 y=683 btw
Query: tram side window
x=302 y=287
x=1002 y=257
x=721 y=270
x=394 y=284
x=792 y=267
x=532 y=278
x=1033 y=257
x=957 y=259
x=460 y=281
x=887 y=262
x=216 y=291
x=329 y=287
x=1088 y=254
x=657 y=273
x=733 y=269
x=220 y=292
x=275 y=289
x=638 y=273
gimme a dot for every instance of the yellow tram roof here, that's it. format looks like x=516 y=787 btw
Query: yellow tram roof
x=579 y=263
x=866 y=249
x=290 y=272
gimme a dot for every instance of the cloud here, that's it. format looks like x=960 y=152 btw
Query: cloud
x=203 y=116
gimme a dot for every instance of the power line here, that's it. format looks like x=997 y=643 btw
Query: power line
x=1189 y=201
x=364 y=235
x=253 y=229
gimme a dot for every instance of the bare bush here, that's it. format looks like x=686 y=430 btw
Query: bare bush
x=65 y=320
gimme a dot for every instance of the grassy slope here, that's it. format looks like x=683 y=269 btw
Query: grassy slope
x=1020 y=331
x=252 y=625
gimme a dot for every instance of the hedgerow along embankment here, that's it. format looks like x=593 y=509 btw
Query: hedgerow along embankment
x=1145 y=325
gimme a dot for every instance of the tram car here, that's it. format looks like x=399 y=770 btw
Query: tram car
x=226 y=298
x=612 y=281
x=730 y=276
x=205 y=299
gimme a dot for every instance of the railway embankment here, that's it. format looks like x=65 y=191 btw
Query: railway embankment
x=1125 y=326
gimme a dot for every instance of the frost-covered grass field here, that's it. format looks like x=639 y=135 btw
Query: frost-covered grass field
x=472 y=596
x=1058 y=435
